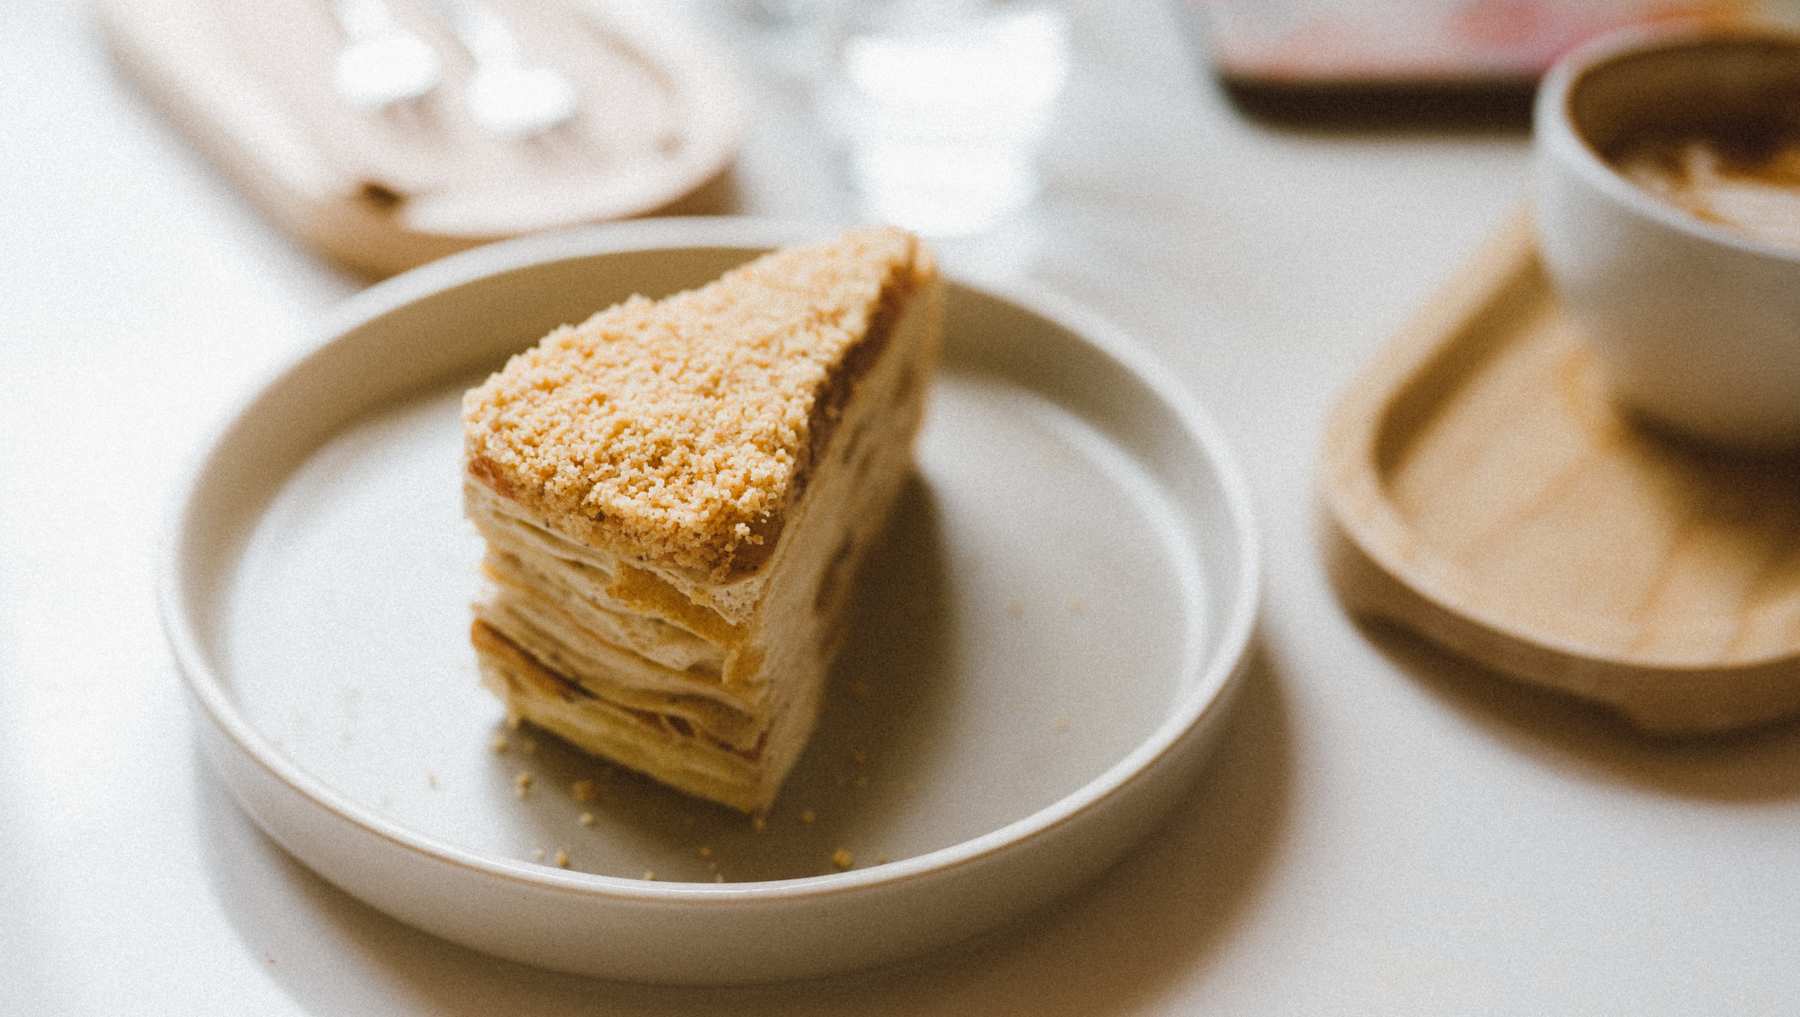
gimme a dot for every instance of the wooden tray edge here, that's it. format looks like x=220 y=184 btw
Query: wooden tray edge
x=254 y=144
x=1365 y=545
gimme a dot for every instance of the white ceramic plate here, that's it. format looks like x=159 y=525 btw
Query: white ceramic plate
x=1042 y=648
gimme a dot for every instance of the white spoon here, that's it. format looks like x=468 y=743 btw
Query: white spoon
x=381 y=64
x=505 y=95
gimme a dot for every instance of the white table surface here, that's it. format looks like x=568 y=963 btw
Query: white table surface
x=1385 y=831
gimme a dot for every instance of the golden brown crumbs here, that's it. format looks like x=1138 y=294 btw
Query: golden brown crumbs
x=583 y=790
x=842 y=859
x=522 y=783
x=674 y=430
x=498 y=744
x=562 y=858
x=704 y=851
x=859 y=689
x=431 y=780
x=758 y=823
x=808 y=816
x=648 y=874
x=585 y=819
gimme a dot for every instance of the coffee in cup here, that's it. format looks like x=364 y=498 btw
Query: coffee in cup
x=1743 y=174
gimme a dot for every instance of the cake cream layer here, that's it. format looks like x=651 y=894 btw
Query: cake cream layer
x=536 y=626
x=711 y=682
x=619 y=585
x=590 y=595
x=642 y=741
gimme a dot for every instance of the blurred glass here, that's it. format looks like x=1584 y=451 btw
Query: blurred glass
x=942 y=105
x=775 y=13
x=781 y=39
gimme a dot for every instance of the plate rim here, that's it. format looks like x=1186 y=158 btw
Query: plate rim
x=1215 y=671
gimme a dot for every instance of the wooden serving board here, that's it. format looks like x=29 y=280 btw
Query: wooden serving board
x=252 y=84
x=1483 y=491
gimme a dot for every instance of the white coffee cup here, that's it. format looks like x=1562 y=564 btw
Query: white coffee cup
x=1697 y=324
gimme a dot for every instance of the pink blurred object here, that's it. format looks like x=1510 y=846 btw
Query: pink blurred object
x=1420 y=42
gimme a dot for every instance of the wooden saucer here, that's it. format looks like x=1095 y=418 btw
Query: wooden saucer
x=1482 y=490
x=252 y=85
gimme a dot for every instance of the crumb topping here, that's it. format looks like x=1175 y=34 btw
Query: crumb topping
x=679 y=430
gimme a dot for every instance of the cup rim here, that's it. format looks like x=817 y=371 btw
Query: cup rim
x=1556 y=132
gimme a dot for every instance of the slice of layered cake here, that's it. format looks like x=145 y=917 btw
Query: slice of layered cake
x=676 y=495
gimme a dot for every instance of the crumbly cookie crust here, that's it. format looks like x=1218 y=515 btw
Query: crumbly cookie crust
x=679 y=431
